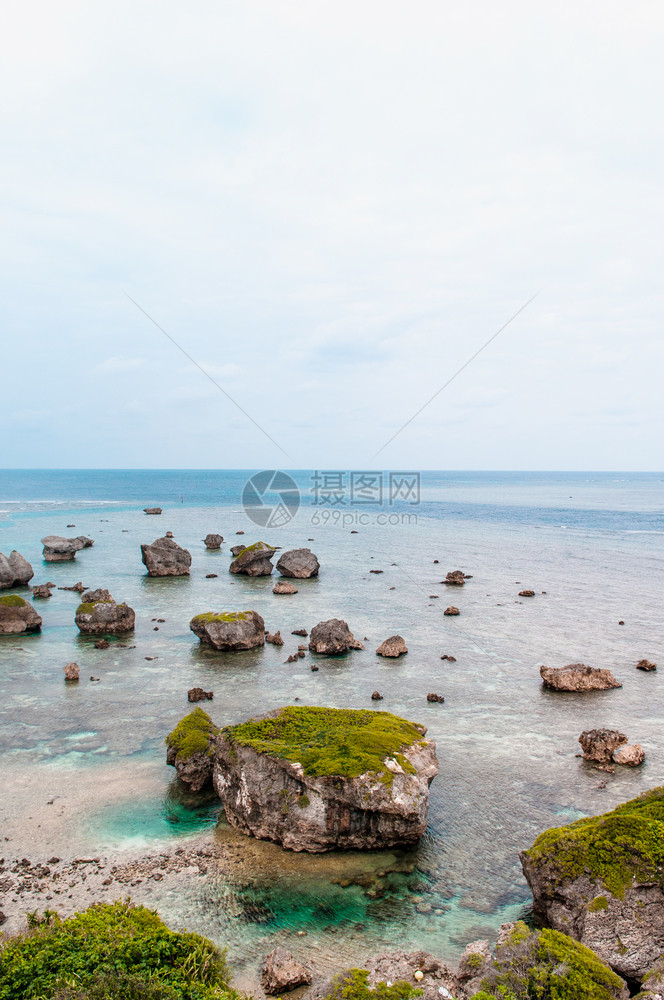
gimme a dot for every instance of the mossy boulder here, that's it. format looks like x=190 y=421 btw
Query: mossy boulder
x=190 y=749
x=601 y=880
x=545 y=964
x=254 y=560
x=99 y=614
x=229 y=631
x=17 y=616
x=319 y=779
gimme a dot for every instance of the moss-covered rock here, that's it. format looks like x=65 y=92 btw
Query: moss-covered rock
x=254 y=560
x=190 y=748
x=601 y=880
x=17 y=616
x=229 y=631
x=547 y=965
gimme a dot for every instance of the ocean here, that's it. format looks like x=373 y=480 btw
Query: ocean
x=84 y=766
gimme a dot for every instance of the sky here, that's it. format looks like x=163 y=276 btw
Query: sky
x=331 y=208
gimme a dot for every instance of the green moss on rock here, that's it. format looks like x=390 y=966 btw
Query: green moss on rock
x=263 y=546
x=614 y=848
x=334 y=742
x=548 y=965
x=12 y=601
x=226 y=616
x=192 y=734
x=88 y=608
x=597 y=904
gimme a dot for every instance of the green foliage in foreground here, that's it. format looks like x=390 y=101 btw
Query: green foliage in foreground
x=192 y=734
x=331 y=741
x=117 y=951
x=354 y=985
x=615 y=848
x=547 y=965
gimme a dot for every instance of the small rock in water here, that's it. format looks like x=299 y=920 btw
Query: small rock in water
x=433 y=597
x=152 y=510
x=210 y=576
x=646 y=665
x=169 y=534
x=239 y=532
x=435 y=697
x=198 y=694
x=526 y=593
x=392 y=647
x=455 y=578
x=284 y=587
x=448 y=657
x=275 y=639
x=451 y=611
x=291 y=659
x=376 y=571
x=102 y=644
x=72 y=672
x=376 y=696
x=93 y=678
x=314 y=668
x=300 y=631
x=600 y=744
x=621 y=622
x=213 y=541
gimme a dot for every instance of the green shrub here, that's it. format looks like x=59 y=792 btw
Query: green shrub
x=354 y=985
x=116 y=950
x=547 y=965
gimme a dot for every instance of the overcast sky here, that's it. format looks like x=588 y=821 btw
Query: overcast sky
x=331 y=207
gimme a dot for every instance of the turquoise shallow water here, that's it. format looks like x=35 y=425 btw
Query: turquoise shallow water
x=507 y=749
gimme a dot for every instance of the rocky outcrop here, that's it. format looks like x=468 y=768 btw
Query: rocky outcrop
x=598 y=744
x=317 y=779
x=298 y=563
x=601 y=880
x=213 y=541
x=254 y=560
x=229 y=631
x=282 y=973
x=455 y=578
x=333 y=638
x=630 y=756
x=578 y=677
x=98 y=614
x=72 y=672
x=166 y=558
x=198 y=694
x=394 y=646
x=284 y=587
x=58 y=549
x=17 y=616
x=15 y=571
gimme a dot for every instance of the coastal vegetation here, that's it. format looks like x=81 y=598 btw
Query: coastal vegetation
x=113 y=950
x=192 y=734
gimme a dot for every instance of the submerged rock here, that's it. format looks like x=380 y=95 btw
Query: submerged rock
x=166 y=558
x=213 y=541
x=284 y=587
x=333 y=638
x=102 y=616
x=601 y=880
x=58 y=549
x=17 y=616
x=15 y=571
x=254 y=560
x=299 y=563
x=394 y=646
x=282 y=973
x=578 y=677
x=599 y=744
x=229 y=630
x=315 y=779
